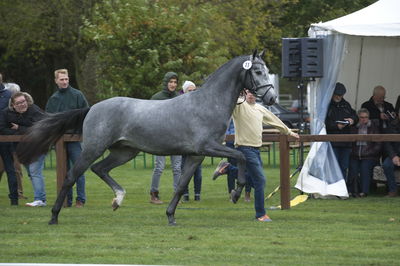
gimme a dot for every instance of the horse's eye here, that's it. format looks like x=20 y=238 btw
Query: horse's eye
x=258 y=72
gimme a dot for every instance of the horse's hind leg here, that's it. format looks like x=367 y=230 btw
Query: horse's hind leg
x=219 y=150
x=191 y=163
x=80 y=166
x=117 y=157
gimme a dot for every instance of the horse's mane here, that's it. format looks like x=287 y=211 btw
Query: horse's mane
x=222 y=68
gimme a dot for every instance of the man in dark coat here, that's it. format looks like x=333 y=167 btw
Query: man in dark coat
x=380 y=110
x=64 y=99
x=340 y=117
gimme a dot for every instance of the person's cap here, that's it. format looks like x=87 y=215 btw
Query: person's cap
x=186 y=85
x=340 y=89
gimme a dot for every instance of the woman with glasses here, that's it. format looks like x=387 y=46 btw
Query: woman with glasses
x=15 y=120
x=364 y=156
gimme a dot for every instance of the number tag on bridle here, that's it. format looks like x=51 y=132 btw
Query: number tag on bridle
x=247 y=64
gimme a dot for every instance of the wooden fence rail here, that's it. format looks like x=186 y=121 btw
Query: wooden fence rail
x=61 y=153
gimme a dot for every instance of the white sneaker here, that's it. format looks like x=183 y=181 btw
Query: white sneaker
x=36 y=203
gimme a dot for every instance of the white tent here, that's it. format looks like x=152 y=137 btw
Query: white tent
x=361 y=50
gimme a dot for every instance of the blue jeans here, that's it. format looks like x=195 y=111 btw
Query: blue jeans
x=6 y=149
x=35 y=173
x=197 y=177
x=360 y=175
x=176 y=162
x=389 y=167
x=255 y=171
x=343 y=158
x=73 y=152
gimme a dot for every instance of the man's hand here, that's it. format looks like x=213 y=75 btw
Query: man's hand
x=293 y=134
x=14 y=126
x=396 y=160
x=351 y=121
x=384 y=116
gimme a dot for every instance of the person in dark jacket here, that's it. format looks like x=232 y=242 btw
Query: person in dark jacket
x=392 y=161
x=339 y=119
x=379 y=109
x=364 y=156
x=397 y=106
x=170 y=83
x=64 y=99
x=6 y=150
x=15 y=120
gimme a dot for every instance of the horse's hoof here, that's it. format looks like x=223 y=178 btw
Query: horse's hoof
x=235 y=196
x=115 y=204
x=53 y=221
x=171 y=220
x=172 y=223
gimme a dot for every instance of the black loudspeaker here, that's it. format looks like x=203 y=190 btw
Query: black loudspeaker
x=311 y=58
x=291 y=57
x=302 y=57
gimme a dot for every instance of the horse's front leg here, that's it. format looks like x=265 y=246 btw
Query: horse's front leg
x=191 y=163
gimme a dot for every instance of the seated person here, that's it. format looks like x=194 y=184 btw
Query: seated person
x=378 y=108
x=392 y=161
x=364 y=156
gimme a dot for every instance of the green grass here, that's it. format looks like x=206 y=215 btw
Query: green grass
x=210 y=232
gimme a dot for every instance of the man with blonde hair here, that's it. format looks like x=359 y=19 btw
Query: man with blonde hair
x=64 y=99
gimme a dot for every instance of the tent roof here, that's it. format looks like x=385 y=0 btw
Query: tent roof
x=382 y=18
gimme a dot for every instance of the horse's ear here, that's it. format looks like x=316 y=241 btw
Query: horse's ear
x=261 y=55
x=254 y=54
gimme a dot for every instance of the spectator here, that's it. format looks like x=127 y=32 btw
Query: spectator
x=64 y=99
x=364 y=156
x=397 y=106
x=189 y=86
x=339 y=119
x=378 y=108
x=20 y=115
x=248 y=118
x=170 y=83
x=231 y=167
x=6 y=149
x=17 y=166
x=392 y=161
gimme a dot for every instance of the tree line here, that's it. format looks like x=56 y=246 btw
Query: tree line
x=124 y=47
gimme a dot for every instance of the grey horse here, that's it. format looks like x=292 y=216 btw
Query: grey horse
x=192 y=124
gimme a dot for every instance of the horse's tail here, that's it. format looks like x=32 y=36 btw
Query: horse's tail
x=44 y=133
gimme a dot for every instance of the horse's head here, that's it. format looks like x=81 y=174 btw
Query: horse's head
x=256 y=79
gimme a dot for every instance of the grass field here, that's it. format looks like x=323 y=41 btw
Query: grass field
x=210 y=232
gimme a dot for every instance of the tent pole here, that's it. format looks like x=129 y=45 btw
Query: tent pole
x=358 y=72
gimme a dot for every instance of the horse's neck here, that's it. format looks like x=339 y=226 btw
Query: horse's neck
x=223 y=88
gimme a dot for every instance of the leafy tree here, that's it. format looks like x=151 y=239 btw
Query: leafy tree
x=39 y=37
x=124 y=47
x=139 y=41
